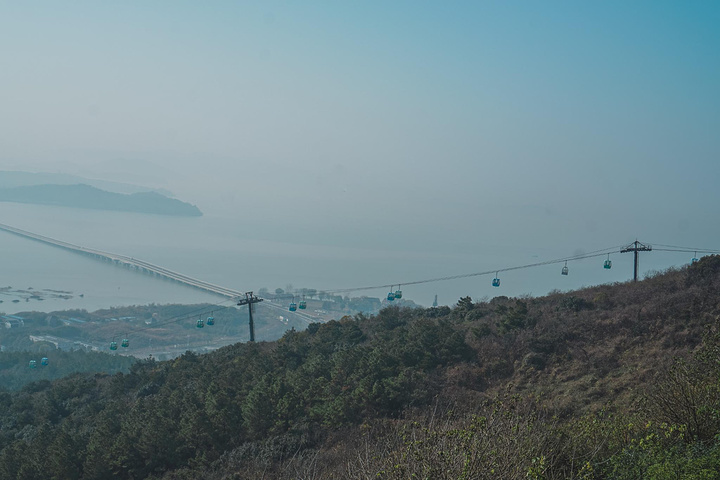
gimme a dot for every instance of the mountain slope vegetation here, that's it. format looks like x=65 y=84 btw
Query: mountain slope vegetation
x=15 y=372
x=613 y=381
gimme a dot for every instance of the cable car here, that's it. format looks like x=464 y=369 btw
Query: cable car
x=210 y=320
x=564 y=269
x=200 y=323
x=44 y=361
x=496 y=281
x=113 y=345
x=303 y=305
x=398 y=293
x=293 y=306
x=391 y=295
x=608 y=263
x=32 y=364
x=694 y=259
x=125 y=343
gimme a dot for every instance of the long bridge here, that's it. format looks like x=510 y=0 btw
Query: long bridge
x=142 y=266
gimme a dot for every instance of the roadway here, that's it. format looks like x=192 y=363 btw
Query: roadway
x=146 y=267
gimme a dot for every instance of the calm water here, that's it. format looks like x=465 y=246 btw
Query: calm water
x=247 y=256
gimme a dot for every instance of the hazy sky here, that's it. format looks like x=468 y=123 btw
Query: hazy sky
x=476 y=124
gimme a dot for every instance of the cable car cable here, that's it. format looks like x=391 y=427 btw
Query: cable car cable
x=178 y=318
x=694 y=249
x=596 y=253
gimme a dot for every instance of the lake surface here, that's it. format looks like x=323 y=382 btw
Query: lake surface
x=250 y=254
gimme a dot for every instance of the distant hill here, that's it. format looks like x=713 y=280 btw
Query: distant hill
x=10 y=179
x=86 y=196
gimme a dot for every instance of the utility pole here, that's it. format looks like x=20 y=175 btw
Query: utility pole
x=636 y=247
x=249 y=300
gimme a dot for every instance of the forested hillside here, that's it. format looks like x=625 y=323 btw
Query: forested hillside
x=15 y=371
x=614 y=381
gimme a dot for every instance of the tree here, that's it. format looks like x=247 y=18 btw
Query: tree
x=689 y=392
x=465 y=303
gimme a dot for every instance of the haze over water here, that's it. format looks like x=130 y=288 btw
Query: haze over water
x=223 y=252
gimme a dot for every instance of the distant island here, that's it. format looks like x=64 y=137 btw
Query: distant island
x=12 y=179
x=86 y=196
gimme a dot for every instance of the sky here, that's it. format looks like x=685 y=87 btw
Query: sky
x=422 y=125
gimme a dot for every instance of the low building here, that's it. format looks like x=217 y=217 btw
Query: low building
x=71 y=321
x=12 y=321
x=60 y=343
